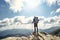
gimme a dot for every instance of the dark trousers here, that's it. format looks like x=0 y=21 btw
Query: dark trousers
x=35 y=28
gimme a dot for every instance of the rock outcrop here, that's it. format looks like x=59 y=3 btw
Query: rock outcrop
x=40 y=36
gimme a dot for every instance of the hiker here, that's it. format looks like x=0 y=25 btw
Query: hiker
x=35 y=21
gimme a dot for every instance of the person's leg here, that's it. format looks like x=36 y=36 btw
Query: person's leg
x=37 y=30
x=34 y=29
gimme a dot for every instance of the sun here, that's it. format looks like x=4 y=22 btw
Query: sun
x=31 y=4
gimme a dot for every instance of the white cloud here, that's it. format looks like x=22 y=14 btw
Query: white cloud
x=22 y=22
x=58 y=10
x=15 y=5
x=19 y=5
x=55 y=12
x=52 y=13
x=58 y=2
x=50 y=2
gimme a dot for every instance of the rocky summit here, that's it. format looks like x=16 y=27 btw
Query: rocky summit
x=40 y=36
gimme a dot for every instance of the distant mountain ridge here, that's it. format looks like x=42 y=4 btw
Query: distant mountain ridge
x=56 y=32
x=23 y=32
x=51 y=29
x=15 y=32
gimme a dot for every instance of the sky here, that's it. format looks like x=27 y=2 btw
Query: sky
x=20 y=13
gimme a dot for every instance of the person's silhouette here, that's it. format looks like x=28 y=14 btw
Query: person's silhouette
x=35 y=21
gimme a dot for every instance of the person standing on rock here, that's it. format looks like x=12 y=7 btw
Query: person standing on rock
x=35 y=21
